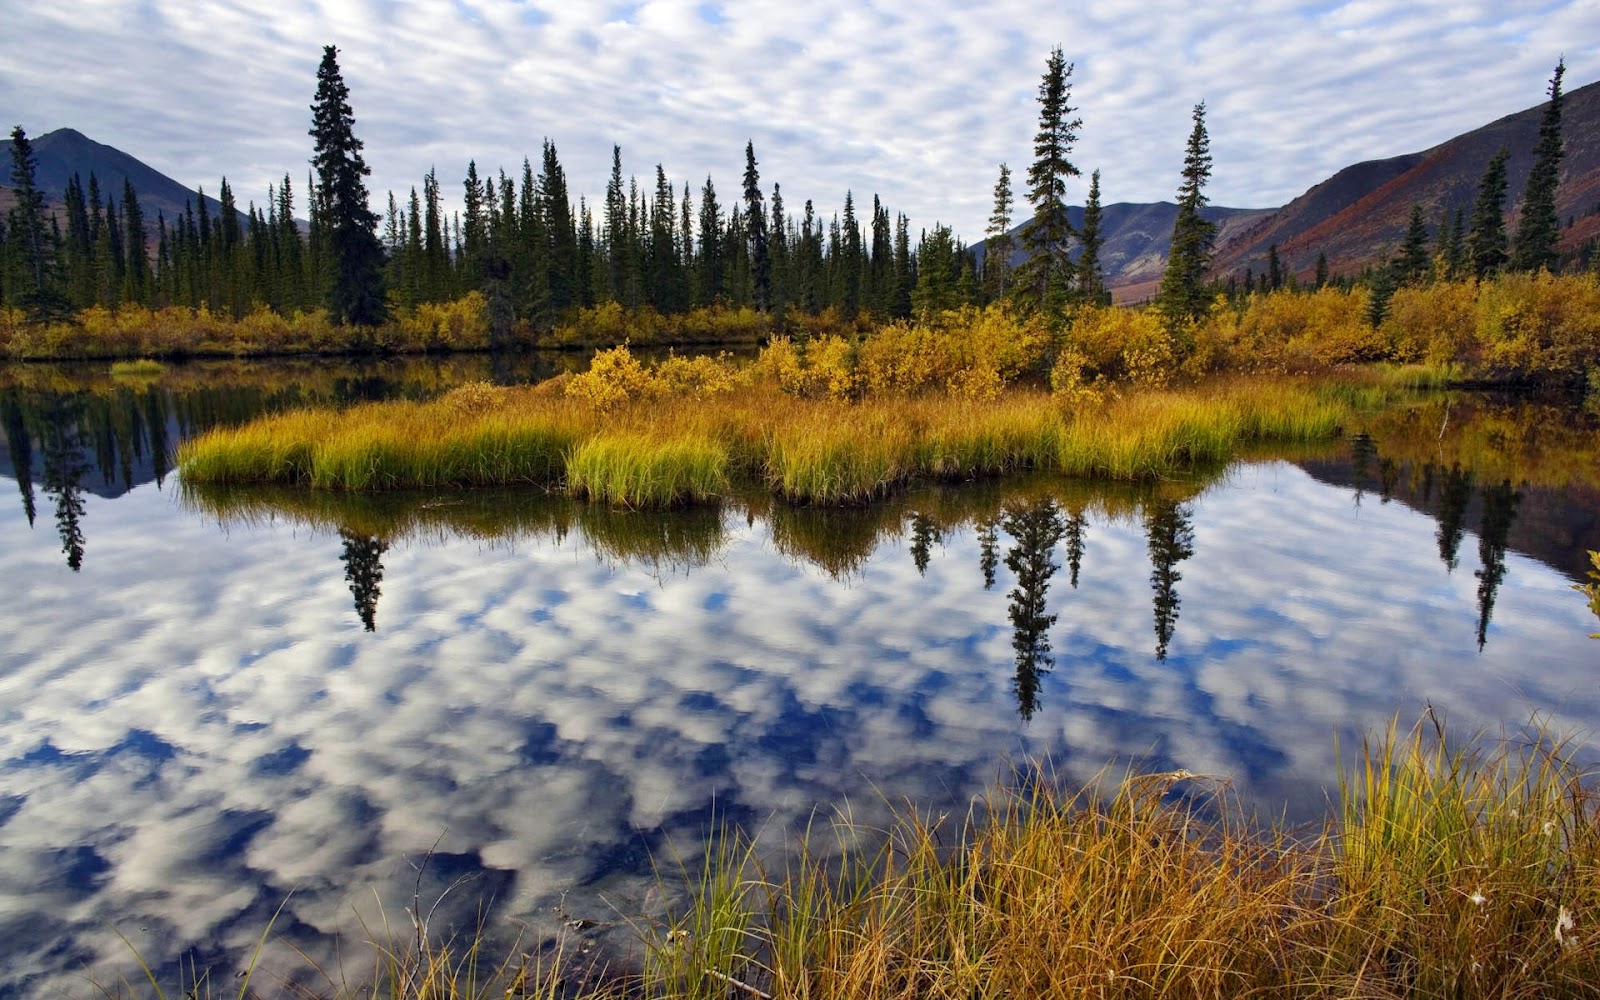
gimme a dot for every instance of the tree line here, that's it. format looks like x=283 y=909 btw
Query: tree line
x=537 y=258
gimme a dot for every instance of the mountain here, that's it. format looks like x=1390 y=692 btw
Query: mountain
x=1359 y=215
x=67 y=151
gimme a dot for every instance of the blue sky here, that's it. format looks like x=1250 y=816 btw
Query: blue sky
x=915 y=102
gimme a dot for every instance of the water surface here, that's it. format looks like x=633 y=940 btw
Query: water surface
x=215 y=701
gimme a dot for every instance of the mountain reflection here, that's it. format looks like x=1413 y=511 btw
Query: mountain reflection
x=1036 y=529
x=1170 y=534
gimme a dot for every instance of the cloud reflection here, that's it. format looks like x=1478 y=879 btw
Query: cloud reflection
x=199 y=724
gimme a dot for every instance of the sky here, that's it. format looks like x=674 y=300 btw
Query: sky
x=915 y=102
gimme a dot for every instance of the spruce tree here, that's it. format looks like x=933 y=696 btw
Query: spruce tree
x=756 y=221
x=1486 y=243
x=999 y=245
x=136 y=279
x=1539 y=229
x=30 y=244
x=355 y=268
x=1413 y=264
x=1091 y=280
x=1044 y=280
x=710 y=284
x=1182 y=295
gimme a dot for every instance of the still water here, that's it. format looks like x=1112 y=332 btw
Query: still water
x=216 y=704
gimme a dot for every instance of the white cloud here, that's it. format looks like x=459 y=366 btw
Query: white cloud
x=914 y=103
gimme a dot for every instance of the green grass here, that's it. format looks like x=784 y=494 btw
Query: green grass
x=1444 y=870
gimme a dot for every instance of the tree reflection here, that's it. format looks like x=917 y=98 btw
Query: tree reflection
x=989 y=550
x=1074 y=534
x=20 y=446
x=363 y=569
x=924 y=533
x=1036 y=528
x=1499 y=511
x=1455 y=492
x=1170 y=533
x=1363 y=451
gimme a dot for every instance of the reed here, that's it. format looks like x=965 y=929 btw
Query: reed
x=640 y=470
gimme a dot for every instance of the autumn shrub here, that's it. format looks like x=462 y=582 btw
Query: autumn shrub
x=459 y=324
x=1433 y=323
x=1116 y=343
x=1288 y=329
x=1539 y=327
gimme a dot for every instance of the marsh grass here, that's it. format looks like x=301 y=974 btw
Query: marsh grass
x=663 y=451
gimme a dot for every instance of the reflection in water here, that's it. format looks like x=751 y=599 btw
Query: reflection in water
x=1036 y=528
x=64 y=469
x=988 y=550
x=20 y=447
x=1454 y=495
x=1076 y=526
x=1363 y=451
x=363 y=570
x=924 y=534
x=1169 y=530
x=1499 y=511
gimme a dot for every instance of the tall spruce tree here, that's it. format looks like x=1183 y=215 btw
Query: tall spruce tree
x=1486 y=243
x=1535 y=245
x=1091 y=280
x=1044 y=280
x=1182 y=295
x=30 y=242
x=998 y=247
x=756 y=222
x=355 y=267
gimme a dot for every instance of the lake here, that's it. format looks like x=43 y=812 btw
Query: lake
x=218 y=705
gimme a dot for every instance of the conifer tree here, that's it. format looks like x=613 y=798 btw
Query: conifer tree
x=1413 y=264
x=756 y=221
x=1322 y=270
x=1539 y=229
x=355 y=266
x=998 y=247
x=1486 y=243
x=1182 y=295
x=1044 y=280
x=905 y=271
x=136 y=279
x=711 y=275
x=30 y=243
x=561 y=232
x=778 y=251
x=1091 y=280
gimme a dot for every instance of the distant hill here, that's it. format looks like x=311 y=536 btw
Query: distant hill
x=67 y=151
x=1359 y=215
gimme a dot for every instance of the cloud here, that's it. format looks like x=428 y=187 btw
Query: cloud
x=914 y=103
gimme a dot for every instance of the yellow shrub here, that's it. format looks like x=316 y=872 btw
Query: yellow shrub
x=614 y=377
x=1325 y=327
x=1114 y=342
x=1539 y=326
x=1432 y=323
x=698 y=377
